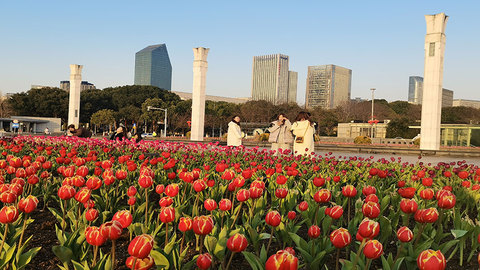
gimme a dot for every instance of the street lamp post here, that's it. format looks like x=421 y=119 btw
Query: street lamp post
x=164 y=121
x=373 y=99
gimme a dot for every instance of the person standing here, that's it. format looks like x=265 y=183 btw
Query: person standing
x=303 y=130
x=280 y=135
x=234 y=133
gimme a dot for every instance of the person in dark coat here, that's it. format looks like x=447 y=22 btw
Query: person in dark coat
x=79 y=132
x=119 y=134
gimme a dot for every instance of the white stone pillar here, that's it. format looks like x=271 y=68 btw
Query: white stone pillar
x=432 y=81
x=74 y=96
x=200 y=67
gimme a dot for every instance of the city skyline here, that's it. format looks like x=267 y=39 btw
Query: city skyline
x=382 y=42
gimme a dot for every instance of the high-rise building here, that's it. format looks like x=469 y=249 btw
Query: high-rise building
x=153 y=67
x=415 y=92
x=328 y=86
x=292 y=86
x=270 y=78
x=415 y=89
x=65 y=85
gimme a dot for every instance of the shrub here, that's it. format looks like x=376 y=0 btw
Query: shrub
x=189 y=133
x=362 y=140
x=264 y=137
x=416 y=141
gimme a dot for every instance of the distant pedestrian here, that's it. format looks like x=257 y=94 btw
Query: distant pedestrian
x=303 y=129
x=280 y=135
x=79 y=132
x=47 y=131
x=234 y=133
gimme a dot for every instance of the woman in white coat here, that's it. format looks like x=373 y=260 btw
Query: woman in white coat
x=234 y=133
x=280 y=134
x=303 y=130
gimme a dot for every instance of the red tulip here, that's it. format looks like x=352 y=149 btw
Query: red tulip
x=407 y=192
x=94 y=237
x=314 y=231
x=94 y=183
x=243 y=195
x=335 y=212
x=202 y=225
x=140 y=264
x=408 y=206
x=447 y=201
x=185 y=224
x=371 y=209
x=255 y=192
x=66 y=192
x=167 y=214
x=145 y=181
x=371 y=198
x=340 y=238
x=131 y=200
x=349 y=191
x=322 y=196
x=404 y=234
x=204 y=261
x=124 y=217
x=283 y=259
x=111 y=230
x=172 y=190
x=291 y=215
x=131 y=191
x=281 y=193
x=91 y=214
x=303 y=206
x=373 y=249
x=273 y=218
x=368 y=228
x=225 y=205
x=431 y=260
x=8 y=214
x=369 y=190
x=281 y=179
x=141 y=246
x=427 y=194
x=429 y=215
x=237 y=243
x=210 y=204
x=8 y=197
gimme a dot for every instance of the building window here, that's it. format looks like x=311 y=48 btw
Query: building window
x=431 y=50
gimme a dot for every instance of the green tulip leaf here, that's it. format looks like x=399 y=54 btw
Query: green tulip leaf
x=65 y=254
x=160 y=260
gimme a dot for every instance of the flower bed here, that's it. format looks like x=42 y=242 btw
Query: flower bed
x=114 y=205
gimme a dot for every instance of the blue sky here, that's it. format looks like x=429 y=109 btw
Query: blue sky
x=381 y=41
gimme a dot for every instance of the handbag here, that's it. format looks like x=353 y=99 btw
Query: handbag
x=300 y=139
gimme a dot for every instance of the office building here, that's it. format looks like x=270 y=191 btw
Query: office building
x=65 y=85
x=328 y=86
x=466 y=103
x=270 y=78
x=415 y=89
x=153 y=67
x=292 y=86
x=415 y=92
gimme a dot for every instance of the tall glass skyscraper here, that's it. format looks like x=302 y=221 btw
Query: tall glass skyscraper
x=415 y=89
x=270 y=78
x=328 y=86
x=292 y=86
x=153 y=67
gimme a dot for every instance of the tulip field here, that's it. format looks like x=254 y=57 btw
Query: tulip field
x=70 y=203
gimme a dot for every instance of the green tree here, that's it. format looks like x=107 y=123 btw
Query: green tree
x=103 y=117
x=43 y=102
x=399 y=127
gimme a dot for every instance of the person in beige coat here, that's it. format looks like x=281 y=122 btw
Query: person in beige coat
x=303 y=129
x=234 y=133
x=280 y=135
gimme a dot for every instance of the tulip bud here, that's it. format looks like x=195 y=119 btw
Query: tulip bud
x=132 y=200
x=404 y=234
x=8 y=214
x=281 y=193
x=430 y=259
x=303 y=206
x=204 y=261
x=243 y=195
x=131 y=191
x=83 y=195
x=185 y=224
x=291 y=215
x=447 y=201
x=371 y=210
x=210 y=204
x=225 y=205
x=322 y=196
x=408 y=206
x=91 y=214
x=140 y=264
x=202 y=225
x=349 y=191
x=314 y=231
x=141 y=246
x=8 y=197
x=368 y=228
x=165 y=201
x=94 y=237
x=340 y=238
x=124 y=217
x=369 y=190
x=334 y=212
x=237 y=243
x=373 y=249
x=111 y=230
x=66 y=192
x=273 y=218
x=167 y=214
x=172 y=190
x=283 y=259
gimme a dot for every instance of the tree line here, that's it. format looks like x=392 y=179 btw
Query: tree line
x=128 y=105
